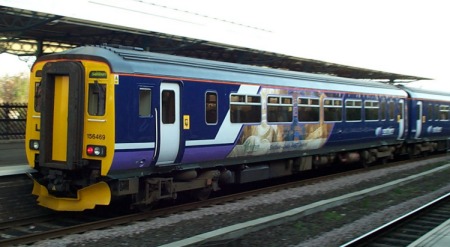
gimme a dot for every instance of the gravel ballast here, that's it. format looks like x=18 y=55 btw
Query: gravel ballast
x=175 y=227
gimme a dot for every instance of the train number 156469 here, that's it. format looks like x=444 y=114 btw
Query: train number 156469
x=96 y=136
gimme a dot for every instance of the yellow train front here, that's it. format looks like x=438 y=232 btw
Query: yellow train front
x=70 y=132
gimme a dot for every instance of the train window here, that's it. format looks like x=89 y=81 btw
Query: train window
x=383 y=110
x=371 y=110
x=332 y=109
x=145 y=102
x=279 y=109
x=237 y=98
x=429 y=112
x=211 y=108
x=401 y=110
x=418 y=115
x=96 y=99
x=245 y=108
x=308 y=110
x=353 y=110
x=444 y=112
x=391 y=111
x=436 y=112
x=168 y=107
x=37 y=97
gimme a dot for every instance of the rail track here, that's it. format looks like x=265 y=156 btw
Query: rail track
x=408 y=228
x=27 y=231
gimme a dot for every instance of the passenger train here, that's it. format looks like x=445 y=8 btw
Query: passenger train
x=116 y=122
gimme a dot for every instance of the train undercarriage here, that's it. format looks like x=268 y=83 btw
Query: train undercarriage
x=200 y=183
x=58 y=189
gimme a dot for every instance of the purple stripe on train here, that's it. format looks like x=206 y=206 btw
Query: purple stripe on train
x=206 y=153
x=131 y=159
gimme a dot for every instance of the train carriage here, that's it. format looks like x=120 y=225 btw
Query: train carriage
x=110 y=122
x=429 y=120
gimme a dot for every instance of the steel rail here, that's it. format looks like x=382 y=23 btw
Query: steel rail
x=385 y=233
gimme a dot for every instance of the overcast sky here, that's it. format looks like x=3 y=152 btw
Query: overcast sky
x=404 y=36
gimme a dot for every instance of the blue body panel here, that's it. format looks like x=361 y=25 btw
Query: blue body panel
x=202 y=142
x=427 y=120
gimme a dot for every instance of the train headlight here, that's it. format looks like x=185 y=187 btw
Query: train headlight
x=93 y=150
x=34 y=144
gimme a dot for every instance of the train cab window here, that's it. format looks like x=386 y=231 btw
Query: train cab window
x=353 y=110
x=391 y=111
x=37 y=97
x=371 y=110
x=96 y=99
x=308 y=110
x=332 y=110
x=444 y=112
x=245 y=108
x=279 y=109
x=145 y=102
x=168 y=107
x=211 y=108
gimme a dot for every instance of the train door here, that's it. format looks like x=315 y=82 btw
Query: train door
x=419 y=115
x=401 y=119
x=169 y=122
x=62 y=111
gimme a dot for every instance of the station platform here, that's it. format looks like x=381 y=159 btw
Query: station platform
x=13 y=160
x=438 y=237
x=15 y=170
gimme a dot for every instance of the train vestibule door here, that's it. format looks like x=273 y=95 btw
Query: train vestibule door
x=62 y=115
x=401 y=119
x=169 y=121
x=419 y=114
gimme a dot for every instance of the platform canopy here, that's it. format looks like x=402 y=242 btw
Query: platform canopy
x=32 y=32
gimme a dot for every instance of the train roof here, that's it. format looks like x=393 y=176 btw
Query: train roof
x=135 y=61
x=420 y=93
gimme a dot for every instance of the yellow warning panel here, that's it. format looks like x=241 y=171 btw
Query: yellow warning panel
x=186 y=122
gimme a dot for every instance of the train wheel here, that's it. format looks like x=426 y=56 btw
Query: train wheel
x=364 y=159
x=411 y=153
x=364 y=163
x=202 y=194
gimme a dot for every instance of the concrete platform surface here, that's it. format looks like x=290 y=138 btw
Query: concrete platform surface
x=438 y=237
x=12 y=153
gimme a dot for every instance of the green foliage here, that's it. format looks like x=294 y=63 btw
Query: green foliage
x=299 y=226
x=332 y=216
x=365 y=203
x=14 y=88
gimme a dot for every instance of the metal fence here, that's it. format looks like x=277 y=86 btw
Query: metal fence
x=13 y=118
